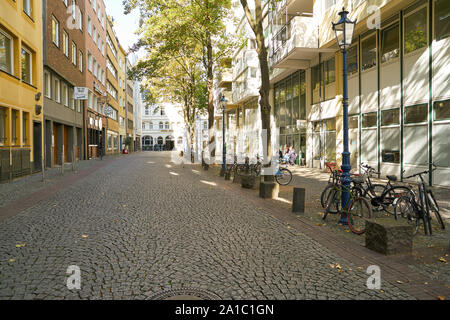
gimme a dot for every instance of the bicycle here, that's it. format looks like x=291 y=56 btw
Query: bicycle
x=372 y=191
x=357 y=208
x=283 y=176
x=414 y=211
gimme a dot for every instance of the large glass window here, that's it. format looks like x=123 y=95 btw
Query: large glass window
x=369 y=120
x=416 y=30
x=442 y=19
x=390 y=145
x=416 y=114
x=369 y=53
x=390 y=117
x=329 y=71
x=352 y=60
x=390 y=43
x=6 y=52
x=442 y=110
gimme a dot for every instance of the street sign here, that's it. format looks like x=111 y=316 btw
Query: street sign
x=81 y=93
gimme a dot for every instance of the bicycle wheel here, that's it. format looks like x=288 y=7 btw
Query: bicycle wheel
x=284 y=177
x=359 y=211
x=332 y=201
x=405 y=209
x=325 y=197
x=390 y=195
x=435 y=208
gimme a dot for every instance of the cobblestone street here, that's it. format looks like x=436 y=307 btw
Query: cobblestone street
x=139 y=224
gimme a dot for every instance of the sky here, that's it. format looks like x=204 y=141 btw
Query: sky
x=124 y=25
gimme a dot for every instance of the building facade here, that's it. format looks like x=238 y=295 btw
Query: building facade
x=163 y=128
x=95 y=23
x=112 y=87
x=21 y=99
x=129 y=112
x=398 y=83
x=63 y=54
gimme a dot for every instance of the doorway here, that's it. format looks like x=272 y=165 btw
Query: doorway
x=37 y=146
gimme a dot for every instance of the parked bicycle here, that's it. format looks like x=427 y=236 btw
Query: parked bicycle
x=356 y=208
x=416 y=208
x=283 y=175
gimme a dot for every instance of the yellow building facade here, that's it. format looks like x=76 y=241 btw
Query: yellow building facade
x=21 y=114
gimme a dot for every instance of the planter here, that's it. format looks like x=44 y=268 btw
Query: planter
x=248 y=181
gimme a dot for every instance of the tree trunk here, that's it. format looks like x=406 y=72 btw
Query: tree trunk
x=210 y=81
x=264 y=94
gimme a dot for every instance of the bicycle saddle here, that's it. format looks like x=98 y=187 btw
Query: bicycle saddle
x=358 y=180
x=392 y=178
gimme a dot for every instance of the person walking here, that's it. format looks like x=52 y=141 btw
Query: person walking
x=100 y=146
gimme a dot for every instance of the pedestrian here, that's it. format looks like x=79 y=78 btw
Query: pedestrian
x=292 y=156
x=100 y=147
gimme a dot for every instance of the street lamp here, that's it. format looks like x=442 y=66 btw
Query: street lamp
x=223 y=103
x=343 y=30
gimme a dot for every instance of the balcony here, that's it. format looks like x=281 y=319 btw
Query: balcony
x=225 y=78
x=245 y=90
x=248 y=59
x=296 y=44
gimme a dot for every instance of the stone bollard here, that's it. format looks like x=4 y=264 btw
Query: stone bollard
x=298 y=202
x=269 y=190
x=389 y=236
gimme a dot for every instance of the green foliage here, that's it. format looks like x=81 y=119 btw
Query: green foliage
x=415 y=39
x=128 y=141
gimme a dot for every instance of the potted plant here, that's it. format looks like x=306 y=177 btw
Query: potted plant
x=128 y=142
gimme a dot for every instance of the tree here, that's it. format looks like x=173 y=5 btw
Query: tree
x=171 y=70
x=201 y=21
x=255 y=20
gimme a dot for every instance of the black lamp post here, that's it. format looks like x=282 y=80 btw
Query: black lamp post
x=343 y=30
x=223 y=103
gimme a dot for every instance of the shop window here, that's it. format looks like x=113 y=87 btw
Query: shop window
x=390 y=117
x=369 y=120
x=390 y=145
x=442 y=19
x=6 y=52
x=353 y=122
x=390 y=43
x=442 y=110
x=352 y=60
x=416 y=30
x=416 y=114
x=369 y=53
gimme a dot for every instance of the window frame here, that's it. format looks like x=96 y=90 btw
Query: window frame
x=11 y=39
x=406 y=15
x=361 y=50
x=23 y=48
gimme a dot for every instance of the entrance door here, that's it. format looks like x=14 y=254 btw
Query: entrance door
x=66 y=144
x=37 y=146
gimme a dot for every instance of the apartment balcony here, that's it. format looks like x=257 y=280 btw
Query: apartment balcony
x=245 y=90
x=296 y=44
x=249 y=59
x=294 y=7
x=225 y=78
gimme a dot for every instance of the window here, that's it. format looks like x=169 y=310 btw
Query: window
x=89 y=61
x=390 y=43
x=147 y=111
x=369 y=53
x=416 y=30
x=47 y=85
x=442 y=19
x=167 y=126
x=442 y=110
x=65 y=93
x=55 y=31
x=14 y=125
x=80 y=61
x=27 y=7
x=329 y=71
x=2 y=125
x=6 y=52
x=71 y=99
x=74 y=53
x=390 y=145
x=25 y=130
x=74 y=8
x=57 y=91
x=416 y=114
x=26 y=62
x=161 y=126
x=65 y=43
x=89 y=26
x=369 y=120
x=352 y=57
x=390 y=117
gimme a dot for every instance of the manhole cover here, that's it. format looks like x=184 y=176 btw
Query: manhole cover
x=185 y=294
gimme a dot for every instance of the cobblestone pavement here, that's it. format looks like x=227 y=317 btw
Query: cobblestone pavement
x=140 y=224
